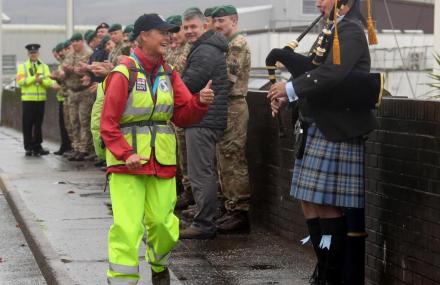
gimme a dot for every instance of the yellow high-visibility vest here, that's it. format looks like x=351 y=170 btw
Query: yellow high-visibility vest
x=145 y=122
x=26 y=79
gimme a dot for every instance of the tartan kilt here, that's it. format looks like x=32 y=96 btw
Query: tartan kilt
x=330 y=173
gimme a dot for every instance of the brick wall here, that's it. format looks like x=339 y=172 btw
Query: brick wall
x=403 y=194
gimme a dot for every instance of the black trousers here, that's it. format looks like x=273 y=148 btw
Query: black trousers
x=33 y=114
x=65 y=141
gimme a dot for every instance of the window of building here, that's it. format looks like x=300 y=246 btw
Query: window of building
x=309 y=7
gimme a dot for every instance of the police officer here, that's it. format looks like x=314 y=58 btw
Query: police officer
x=232 y=164
x=33 y=78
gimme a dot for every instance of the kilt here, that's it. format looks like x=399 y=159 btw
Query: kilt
x=330 y=173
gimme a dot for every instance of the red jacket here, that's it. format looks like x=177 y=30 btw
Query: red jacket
x=187 y=111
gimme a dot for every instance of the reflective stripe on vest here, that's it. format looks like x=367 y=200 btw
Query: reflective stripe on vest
x=33 y=92
x=143 y=106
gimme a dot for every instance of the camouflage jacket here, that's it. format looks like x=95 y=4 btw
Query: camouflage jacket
x=177 y=57
x=238 y=60
x=61 y=81
x=73 y=79
x=117 y=51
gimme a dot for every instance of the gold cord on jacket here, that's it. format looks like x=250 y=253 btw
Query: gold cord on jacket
x=372 y=38
x=336 y=47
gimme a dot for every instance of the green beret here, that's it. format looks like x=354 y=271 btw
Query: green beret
x=66 y=43
x=131 y=37
x=175 y=20
x=59 y=47
x=76 y=37
x=128 y=29
x=222 y=11
x=89 y=35
x=208 y=11
x=105 y=39
x=115 y=27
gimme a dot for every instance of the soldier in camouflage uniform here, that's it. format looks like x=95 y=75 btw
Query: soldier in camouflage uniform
x=80 y=99
x=232 y=164
x=67 y=120
x=57 y=75
x=209 y=19
x=176 y=56
x=126 y=34
x=117 y=36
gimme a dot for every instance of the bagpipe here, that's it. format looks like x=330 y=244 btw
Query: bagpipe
x=358 y=91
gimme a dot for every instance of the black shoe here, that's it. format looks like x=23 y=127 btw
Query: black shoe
x=42 y=151
x=161 y=278
x=61 y=151
x=28 y=153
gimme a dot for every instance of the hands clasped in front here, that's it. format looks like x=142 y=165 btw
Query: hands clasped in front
x=278 y=97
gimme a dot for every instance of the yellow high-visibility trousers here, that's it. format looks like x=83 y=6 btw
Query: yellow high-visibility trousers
x=139 y=202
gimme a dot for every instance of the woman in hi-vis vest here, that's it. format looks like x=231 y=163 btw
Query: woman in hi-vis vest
x=143 y=95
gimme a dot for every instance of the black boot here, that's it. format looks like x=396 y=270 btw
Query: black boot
x=161 y=278
x=354 y=265
x=334 y=228
x=315 y=238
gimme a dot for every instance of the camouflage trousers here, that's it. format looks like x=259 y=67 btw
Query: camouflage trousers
x=67 y=121
x=181 y=147
x=231 y=159
x=80 y=108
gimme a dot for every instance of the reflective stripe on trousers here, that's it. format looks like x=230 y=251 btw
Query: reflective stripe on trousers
x=125 y=269
x=159 y=260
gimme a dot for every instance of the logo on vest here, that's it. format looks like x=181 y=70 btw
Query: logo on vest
x=163 y=85
x=141 y=84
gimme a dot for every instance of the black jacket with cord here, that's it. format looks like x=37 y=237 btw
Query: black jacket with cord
x=336 y=124
x=207 y=60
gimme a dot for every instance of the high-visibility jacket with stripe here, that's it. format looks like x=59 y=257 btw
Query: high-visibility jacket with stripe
x=145 y=122
x=26 y=79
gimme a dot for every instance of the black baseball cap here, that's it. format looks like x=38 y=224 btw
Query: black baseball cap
x=148 y=22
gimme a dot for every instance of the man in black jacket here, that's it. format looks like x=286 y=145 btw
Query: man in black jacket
x=329 y=177
x=206 y=61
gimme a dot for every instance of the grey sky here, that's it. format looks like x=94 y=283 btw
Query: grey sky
x=91 y=12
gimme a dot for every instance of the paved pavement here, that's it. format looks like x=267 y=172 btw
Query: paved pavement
x=17 y=264
x=62 y=209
